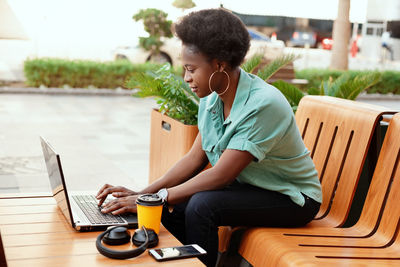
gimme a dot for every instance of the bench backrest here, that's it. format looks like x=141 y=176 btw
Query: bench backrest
x=338 y=133
x=381 y=211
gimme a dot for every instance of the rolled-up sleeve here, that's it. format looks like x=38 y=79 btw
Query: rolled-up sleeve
x=258 y=132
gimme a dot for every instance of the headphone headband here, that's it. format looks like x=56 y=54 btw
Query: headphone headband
x=122 y=255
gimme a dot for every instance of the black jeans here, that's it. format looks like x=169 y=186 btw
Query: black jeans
x=197 y=221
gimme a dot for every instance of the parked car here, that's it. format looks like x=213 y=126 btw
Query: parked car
x=327 y=43
x=303 y=37
x=259 y=43
x=169 y=52
x=254 y=35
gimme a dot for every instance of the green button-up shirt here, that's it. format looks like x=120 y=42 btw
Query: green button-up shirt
x=261 y=122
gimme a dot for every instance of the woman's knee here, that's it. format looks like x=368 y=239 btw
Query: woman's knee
x=202 y=205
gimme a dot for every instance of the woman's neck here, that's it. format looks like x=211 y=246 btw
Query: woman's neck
x=229 y=96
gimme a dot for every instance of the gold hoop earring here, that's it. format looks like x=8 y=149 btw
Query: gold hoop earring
x=209 y=82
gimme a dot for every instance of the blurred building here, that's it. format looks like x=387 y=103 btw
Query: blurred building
x=382 y=15
x=12 y=35
x=369 y=19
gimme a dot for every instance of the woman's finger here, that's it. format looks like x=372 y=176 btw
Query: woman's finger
x=109 y=190
x=121 y=210
x=109 y=208
x=110 y=203
x=102 y=189
x=101 y=201
x=120 y=194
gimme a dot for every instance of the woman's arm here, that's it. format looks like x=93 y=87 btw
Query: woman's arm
x=187 y=167
x=190 y=165
x=228 y=167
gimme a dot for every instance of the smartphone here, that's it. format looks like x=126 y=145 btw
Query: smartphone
x=172 y=253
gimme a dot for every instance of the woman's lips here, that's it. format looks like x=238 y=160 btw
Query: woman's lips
x=194 y=89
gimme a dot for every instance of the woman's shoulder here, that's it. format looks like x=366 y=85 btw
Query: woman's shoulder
x=265 y=94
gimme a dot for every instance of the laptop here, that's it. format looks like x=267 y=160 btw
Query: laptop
x=81 y=211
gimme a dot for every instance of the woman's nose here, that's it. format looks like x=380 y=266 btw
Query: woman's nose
x=187 y=77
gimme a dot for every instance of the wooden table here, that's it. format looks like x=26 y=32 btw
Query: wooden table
x=35 y=233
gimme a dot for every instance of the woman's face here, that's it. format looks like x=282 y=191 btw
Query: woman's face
x=198 y=70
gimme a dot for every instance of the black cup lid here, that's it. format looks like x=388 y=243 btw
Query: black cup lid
x=149 y=200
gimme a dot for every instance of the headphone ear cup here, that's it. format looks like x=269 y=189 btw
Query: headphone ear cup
x=139 y=237
x=153 y=239
x=117 y=236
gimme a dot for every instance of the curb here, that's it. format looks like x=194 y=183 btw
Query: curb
x=66 y=91
x=124 y=92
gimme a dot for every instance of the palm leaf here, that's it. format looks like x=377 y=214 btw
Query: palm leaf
x=146 y=83
x=334 y=87
x=325 y=85
x=291 y=92
x=352 y=88
x=314 y=91
x=252 y=63
x=267 y=71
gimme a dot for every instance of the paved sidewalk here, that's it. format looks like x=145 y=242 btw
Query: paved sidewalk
x=100 y=139
x=102 y=136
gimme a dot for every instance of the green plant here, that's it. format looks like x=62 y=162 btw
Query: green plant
x=53 y=72
x=278 y=63
x=291 y=92
x=346 y=85
x=389 y=82
x=174 y=95
x=270 y=69
x=156 y=24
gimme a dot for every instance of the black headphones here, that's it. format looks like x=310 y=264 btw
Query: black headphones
x=119 y=235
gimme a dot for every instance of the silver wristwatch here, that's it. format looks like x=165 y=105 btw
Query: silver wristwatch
x=163 y=193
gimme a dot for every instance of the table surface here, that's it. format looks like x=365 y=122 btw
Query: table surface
x=35 y=233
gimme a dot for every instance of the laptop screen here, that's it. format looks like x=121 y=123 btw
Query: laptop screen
x=56 y=178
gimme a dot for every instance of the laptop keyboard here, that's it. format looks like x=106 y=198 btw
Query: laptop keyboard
x=88 y=204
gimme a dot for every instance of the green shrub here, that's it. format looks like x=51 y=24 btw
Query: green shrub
x=333 y=83
x=389 y=83
x=53 y=72
x=174 y=95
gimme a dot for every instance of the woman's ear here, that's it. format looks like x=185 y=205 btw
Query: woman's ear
x=222 y=66
x=219 y=65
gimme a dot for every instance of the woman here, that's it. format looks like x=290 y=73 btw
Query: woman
x=261 y=175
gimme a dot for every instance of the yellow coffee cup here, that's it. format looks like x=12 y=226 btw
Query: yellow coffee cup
x=149 y=210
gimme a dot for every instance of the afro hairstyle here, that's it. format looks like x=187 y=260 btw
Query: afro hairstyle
x=216 y=33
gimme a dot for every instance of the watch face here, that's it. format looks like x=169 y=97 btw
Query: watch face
x=163 y=193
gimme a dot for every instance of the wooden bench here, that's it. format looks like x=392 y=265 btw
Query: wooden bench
x=373 y=241
x=338 y=133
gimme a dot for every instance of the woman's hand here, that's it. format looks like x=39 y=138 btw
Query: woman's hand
x=116 y=191
x=120 y=205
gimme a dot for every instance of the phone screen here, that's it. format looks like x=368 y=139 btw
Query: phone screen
x=177 y=252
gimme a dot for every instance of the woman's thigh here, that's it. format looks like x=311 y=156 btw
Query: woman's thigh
x=246 y=205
